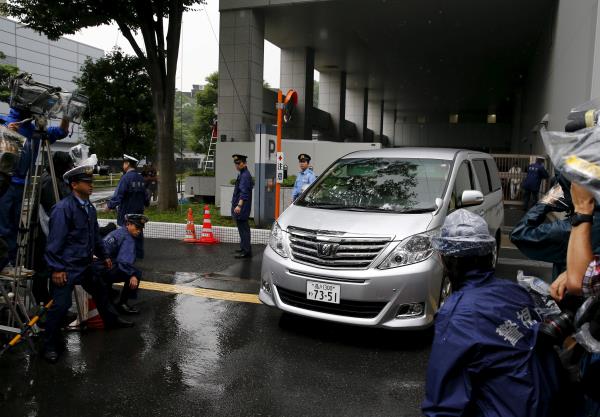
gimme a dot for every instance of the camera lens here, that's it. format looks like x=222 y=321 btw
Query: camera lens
x=556 y=328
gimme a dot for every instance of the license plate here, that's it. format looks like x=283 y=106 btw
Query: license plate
x=319 y=291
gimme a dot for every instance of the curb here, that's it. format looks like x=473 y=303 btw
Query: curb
x=176 y=231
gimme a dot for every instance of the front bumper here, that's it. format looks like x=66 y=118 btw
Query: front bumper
x=417 y=283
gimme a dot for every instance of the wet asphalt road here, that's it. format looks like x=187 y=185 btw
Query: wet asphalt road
x=192 y=356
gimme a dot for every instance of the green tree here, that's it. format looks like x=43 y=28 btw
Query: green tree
x=6 y=71
x=120 y=118
x=206 y=113
x=158 y=21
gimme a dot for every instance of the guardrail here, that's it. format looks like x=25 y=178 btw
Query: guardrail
x=513 y=170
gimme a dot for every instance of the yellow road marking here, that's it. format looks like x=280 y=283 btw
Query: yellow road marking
x=200 y=292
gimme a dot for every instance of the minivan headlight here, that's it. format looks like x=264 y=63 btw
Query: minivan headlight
x=277 y=241
x=411 y=250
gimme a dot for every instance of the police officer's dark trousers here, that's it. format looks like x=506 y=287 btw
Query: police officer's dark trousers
x=115 y=275
x=244 y=229
x=62 y=302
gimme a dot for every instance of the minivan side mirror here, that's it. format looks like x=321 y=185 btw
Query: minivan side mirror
x=471 y=198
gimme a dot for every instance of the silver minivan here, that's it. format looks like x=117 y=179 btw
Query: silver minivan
x=355 y=247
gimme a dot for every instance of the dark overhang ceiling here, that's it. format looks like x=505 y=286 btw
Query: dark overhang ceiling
x=421 y=54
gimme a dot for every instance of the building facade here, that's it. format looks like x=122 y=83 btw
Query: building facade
x=55 y=63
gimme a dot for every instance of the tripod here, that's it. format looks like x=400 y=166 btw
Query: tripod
x=16 y=281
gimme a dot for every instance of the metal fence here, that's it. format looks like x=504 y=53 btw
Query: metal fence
x=513 y=170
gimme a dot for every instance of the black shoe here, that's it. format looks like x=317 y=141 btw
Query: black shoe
x=126 y=309
x=243 y=256
x=50 y=356
x=238 y=251
x=119 y=323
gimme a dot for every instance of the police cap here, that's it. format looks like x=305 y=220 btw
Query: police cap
x=130 y=159
x=239 y=158
x=304 y=157
x=81 y=173
x=138 y=220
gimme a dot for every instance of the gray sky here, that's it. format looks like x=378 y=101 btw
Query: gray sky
x=199 y=50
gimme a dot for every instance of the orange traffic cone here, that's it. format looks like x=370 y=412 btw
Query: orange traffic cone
x=190 y=229
x=207 y=237
x=94 y=321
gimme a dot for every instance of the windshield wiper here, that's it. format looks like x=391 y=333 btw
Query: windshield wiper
x=418 y=210
x=329 y=206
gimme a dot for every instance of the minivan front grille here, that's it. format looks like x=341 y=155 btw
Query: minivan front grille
x=335 y=250
x=359 y=309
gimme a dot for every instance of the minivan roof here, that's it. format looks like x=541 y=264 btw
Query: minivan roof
x=413 y=152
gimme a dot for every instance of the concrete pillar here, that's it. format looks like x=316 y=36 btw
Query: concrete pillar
x=357 y=111
x=388 y=124
x=374 y=118
x=297 y=72
x=240 y=73
x=332 y=99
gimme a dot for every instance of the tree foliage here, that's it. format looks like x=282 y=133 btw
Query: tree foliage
x=206 y=113
x=6 y=71
x=120 y=118
x=159 y=23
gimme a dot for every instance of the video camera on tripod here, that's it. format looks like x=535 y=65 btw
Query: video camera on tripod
x=46 y=101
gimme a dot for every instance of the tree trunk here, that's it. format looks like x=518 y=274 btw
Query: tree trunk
x=163 y=112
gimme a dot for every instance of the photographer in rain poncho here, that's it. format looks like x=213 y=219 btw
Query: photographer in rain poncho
x=484 y=359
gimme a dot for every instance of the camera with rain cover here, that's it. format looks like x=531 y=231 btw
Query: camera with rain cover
x=45 y=101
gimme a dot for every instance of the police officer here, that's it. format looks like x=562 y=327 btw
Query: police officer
x=73 y=240
x=305 y=176
x=120 y=248
x=130 y=197
x=484 y=358
x=531 y=185
x=10 y=202
x=241 y=204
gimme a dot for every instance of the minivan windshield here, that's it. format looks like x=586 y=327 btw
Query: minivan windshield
x=397 y=185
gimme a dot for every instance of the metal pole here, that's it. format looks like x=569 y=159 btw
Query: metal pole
x=279 y=126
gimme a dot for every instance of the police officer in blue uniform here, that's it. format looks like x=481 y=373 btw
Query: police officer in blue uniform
x=10 y=202
x=484 y=359
x=120 y=248
x=241 y=204
x=531 y=185
x=130 y=197
x=73 y=241
x=305 y=176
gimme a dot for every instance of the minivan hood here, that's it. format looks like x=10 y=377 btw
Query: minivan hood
x=397 y=226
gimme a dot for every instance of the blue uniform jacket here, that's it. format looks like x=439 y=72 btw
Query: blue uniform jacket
x=535 y=174
x=483 y=361
x=73 y=238
x=120 y=248
x=242 y=191
x=129 y=197
x=305 y=177
x=548 y=241
x=31 y=146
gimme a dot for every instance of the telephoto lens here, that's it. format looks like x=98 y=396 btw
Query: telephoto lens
x=555 y=329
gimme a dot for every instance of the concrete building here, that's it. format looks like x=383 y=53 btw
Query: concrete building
x=50 y=62
x=408 y=72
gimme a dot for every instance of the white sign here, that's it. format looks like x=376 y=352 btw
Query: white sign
x=279 y=170
x=265 y=148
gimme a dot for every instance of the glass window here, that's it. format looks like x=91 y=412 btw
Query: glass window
x=380 y=184
x=482 y=176
x=493 y=173
x=463 y=182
